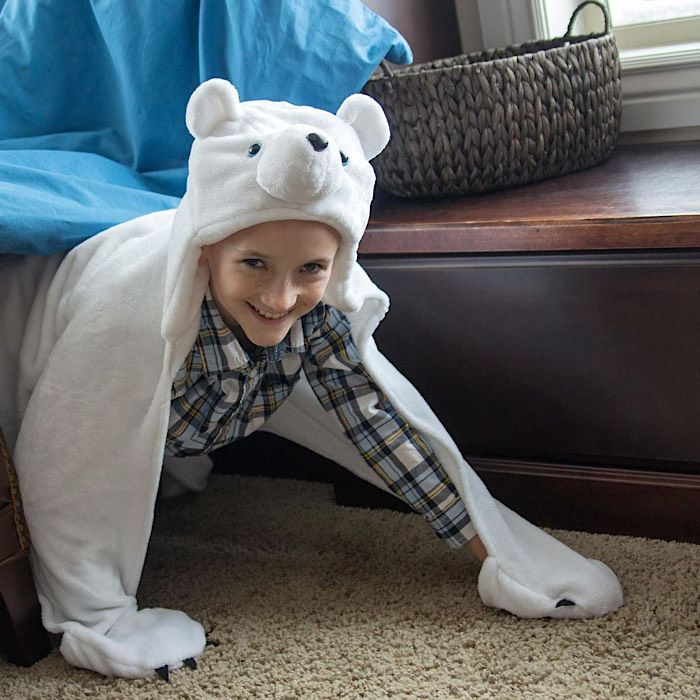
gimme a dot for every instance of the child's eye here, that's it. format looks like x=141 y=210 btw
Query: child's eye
x=312 y=267
x=254 y=263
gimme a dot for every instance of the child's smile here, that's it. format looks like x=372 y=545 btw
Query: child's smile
x=268 y=314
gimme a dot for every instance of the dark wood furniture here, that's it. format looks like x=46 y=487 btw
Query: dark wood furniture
x=23 y=639
x=430 y=26
x=555 y=330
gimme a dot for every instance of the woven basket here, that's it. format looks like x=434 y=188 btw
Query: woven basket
x=501 y=118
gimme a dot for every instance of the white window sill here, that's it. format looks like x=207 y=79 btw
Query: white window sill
x=661 y=57
x=661 y=87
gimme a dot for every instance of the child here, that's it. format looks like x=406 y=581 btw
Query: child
x=178 y=332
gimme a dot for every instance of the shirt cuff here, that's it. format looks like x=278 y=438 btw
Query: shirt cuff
x=453 y=524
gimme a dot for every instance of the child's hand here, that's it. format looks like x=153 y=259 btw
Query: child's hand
x=476 y=547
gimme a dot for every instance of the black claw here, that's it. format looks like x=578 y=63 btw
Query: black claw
x=564 y=602
x=164 y=673
x=191 y=663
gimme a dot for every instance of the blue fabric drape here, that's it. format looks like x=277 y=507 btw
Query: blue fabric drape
x=93 y=96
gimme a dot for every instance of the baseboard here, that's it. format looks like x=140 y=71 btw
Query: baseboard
x=591 y=499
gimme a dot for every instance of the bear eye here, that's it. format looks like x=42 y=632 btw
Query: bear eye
x=254 y=149
x=343 y=158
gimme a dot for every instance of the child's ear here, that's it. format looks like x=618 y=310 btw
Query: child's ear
x=212 y=103
x=202 y=258
x=366 y=116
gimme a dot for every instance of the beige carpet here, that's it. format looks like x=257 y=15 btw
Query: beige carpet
x=305 y=599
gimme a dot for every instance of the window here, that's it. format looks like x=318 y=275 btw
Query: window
x=659 y=44
x=645 y=23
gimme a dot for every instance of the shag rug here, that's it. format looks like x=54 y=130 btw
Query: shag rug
x=304 y=599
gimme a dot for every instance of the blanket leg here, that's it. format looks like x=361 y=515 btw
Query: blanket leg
x=89 y=529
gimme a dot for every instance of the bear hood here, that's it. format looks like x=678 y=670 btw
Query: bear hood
x=259 y=161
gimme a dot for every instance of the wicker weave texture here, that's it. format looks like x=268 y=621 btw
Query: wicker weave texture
x=10 y=498
x=501 y=118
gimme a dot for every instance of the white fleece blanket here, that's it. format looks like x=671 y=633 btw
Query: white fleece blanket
x=109 y=328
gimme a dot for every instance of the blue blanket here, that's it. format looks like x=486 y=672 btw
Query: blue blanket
x=93 y=96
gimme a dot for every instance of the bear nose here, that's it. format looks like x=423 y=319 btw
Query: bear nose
x=318 y=142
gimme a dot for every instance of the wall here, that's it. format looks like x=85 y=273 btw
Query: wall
x=433 y=28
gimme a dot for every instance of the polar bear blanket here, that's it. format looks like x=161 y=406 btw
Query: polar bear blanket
x=109 y=327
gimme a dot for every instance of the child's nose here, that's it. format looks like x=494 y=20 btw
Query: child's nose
x=279 y=296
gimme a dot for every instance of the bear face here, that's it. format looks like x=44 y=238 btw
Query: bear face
x=261 y=160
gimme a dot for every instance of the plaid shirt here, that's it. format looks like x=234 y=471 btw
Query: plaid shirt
x=221 y=394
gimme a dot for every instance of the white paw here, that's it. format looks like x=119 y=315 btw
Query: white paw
x=137 y=644
x=590 y=589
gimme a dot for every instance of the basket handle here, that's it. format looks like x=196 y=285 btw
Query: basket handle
x=580 y=7
x=388 y=73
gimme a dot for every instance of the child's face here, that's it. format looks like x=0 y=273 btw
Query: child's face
x=265 y=277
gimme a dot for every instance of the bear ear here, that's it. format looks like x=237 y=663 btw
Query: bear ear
x=213 y=102
x=366 y=116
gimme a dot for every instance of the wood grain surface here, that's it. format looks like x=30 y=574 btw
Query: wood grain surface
x=643 y=197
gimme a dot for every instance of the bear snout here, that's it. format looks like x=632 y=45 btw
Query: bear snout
x=289 y=170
